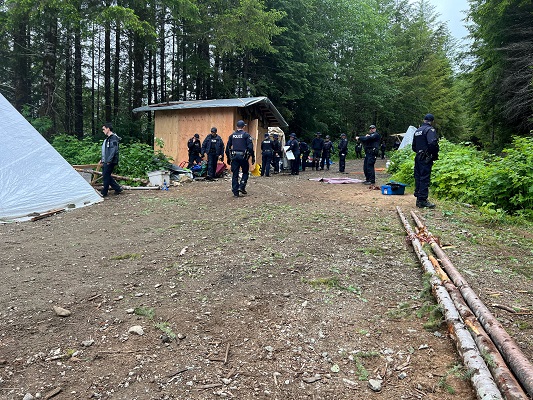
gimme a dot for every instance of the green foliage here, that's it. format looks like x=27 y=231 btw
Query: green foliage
x=76 y=151
x=136 y=159
x=498 y=185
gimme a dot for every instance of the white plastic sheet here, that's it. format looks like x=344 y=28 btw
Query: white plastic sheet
x=34 y=177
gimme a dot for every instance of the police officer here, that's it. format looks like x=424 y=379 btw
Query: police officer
x=276 y=147
x=371 y=144
x=267 y=152
x=195 y=150
x=239 y=149
x=343 y=150
x=304 y=151
x=213 y=146
x=317 y=145
x=294 y=146
x=426 y=146
x=326 y=153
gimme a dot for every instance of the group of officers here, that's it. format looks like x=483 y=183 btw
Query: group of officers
x=239 y=149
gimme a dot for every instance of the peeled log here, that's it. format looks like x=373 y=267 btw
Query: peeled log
x=513 y=355
x=481 y=378
x=507 y=383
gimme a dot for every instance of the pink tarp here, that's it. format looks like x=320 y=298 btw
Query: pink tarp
x=337 y=180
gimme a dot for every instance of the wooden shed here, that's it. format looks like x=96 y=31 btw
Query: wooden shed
x=177 y=122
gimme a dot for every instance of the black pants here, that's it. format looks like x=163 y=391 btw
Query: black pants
x=194 y=158
x=305 y=157
x=265 y=168
x=295 y=165
x=368 y=166
x=325 y=159
x=422 y=172
x=342 y=162
x=212 y=160
x=316 y=159
x=238 y=162
x=108 y=180
x=275 y=161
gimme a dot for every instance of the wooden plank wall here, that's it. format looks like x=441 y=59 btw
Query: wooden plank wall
x=176 y=127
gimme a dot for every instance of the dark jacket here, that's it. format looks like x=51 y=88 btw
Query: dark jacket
x=240 y=141
x=343 y=146
x=211 y=141
x=371 y=142
x=426 y=140
x=195 y=147
x=110 y=149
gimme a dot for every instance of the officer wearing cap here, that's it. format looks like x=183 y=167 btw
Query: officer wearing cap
x=276 y=147
x=343 y=150
x=195 y=150
x=267 y=153
x=294 y=146
x=239 y=149
x=326 y=153
x=371 y=145
x=213 y=146
x=317 y=145
x=426 y=146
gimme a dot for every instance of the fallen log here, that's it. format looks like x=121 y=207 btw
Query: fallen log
x=506 y=381
x=114 y=176
x=141 y=187
x=509 y=349
x=481 y=378
x=47 y=214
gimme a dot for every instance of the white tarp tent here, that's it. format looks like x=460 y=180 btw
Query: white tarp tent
x=408 y=137
x=34 y=177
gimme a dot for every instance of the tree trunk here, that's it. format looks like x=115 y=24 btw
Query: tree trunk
x=107 y=71
x=481 y=378
x=507 y=346
x=21 y=65
x=68 y=84
x=49 y=71
x=78 y=85
x=116 y=73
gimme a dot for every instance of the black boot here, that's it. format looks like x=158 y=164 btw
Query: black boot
x=424 y=204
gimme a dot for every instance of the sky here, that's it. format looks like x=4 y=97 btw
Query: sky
x=452 y=12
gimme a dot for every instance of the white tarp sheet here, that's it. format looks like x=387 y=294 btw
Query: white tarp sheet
x=408 y=137
x=34 y=177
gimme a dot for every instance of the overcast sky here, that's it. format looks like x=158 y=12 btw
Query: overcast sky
x=453 y=12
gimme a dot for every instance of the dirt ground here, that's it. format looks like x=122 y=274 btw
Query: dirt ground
x=299 y=290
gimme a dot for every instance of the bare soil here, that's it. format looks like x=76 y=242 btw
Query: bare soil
x=298 y=290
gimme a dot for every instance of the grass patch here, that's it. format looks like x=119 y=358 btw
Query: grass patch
x=132 y=256
x=145 y=312
x=165 y=328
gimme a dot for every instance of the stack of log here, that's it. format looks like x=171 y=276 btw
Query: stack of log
x=499 y=368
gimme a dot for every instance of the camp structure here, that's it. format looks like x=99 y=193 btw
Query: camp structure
x=34 y=178
x=408 y=137
x=176 y=122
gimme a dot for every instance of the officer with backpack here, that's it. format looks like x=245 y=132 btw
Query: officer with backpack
x=276 y=147
x=343 y=150
x=326 y=153
x=371 y=144
x=317 y=145
x=426 y=146
x=238 y=151
x=213 y=146
x=267 y=153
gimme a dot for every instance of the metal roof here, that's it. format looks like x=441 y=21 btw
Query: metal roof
x=265 y=105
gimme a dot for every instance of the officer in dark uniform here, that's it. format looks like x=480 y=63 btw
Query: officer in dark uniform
x=317 y=145
x=294 y=146
x=343 y=150
x=304 y=151
x=326 y=153
x=267 y=153
x=276 y=147
x=195 y=150
x=371 y=144
x=426 y=146
x=213 y=146
x=238 y=150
